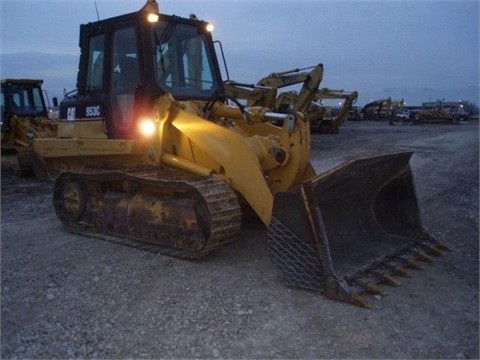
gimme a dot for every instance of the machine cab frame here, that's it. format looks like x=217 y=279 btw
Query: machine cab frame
x=126 y=62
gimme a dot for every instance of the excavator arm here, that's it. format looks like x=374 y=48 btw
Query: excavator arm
x=264 y=93
x=331 y=125
x=304 y=97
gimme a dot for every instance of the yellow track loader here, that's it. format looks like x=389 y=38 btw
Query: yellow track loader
x=24 y=118
x=149 y=153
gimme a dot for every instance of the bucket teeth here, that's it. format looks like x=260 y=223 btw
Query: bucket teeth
x=359 y=300
x=398 y=270
x=443 y=246
x=387 y=279
x=414 y=264
x=434 y=246
x=370 y=287
x=424 y=257
x=435 y=250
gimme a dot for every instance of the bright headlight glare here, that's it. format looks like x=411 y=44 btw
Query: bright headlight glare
x=147 y=127
x=210 y=27
x=152 y=18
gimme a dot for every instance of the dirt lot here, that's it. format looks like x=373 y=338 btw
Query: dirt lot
x=68 y=296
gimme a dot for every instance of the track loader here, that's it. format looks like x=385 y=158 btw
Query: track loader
x=149 y=154
x=24 y=117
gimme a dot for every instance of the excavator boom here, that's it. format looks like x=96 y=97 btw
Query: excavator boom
x=331 y=124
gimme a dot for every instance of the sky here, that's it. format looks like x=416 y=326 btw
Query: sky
x=416 y=50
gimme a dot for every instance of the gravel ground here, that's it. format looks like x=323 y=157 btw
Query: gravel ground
x=69 y=296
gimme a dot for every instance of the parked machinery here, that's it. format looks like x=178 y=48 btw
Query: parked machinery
x=24 y=118
x=330 y=122
x=149 y=152
x=441 y=111
x=377 y=110
x=322 y=119
x=265 y=92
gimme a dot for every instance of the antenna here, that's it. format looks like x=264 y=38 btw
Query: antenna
x=96 y=9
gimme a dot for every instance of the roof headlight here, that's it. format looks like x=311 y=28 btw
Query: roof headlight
x=210 y=27
x=151 y=9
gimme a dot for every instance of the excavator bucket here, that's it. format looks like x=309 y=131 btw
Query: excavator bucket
x=346 y=231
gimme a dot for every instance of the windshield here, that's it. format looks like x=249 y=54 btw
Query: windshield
x=183 y=61
x=26 y=100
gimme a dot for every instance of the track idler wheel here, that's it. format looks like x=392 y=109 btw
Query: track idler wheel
x=69 y=200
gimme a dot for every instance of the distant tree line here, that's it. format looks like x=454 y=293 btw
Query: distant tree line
x=471 y=108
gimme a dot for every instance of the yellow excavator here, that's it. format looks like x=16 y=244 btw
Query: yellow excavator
x=329 y=122
x=24 y=118
x=383 y=109
x=149 y=154
x=265 y=92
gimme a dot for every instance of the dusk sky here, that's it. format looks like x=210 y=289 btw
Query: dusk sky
x=416 y=50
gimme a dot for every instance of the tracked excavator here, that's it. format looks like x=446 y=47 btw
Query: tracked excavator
x=149 y=154
x=265 y=92
x=330 y=123
x=24 y=118
x=383 y=109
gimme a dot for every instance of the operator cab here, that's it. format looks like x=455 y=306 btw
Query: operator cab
x=21 y=97
x=126 y=62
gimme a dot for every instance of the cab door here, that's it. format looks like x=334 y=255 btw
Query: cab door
x=124 y=75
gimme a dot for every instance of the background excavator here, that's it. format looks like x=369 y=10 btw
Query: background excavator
x=383 y=109
x=330 y=122
x=149 y=153
x=24 y=118
x=265 y=93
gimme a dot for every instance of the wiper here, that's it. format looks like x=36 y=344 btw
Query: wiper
x=161 y=42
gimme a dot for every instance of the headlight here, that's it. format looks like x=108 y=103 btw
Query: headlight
x=210 y=27
x=152 y=18
x=147 y=127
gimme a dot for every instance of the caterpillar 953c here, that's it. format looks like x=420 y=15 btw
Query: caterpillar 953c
x=149 y=153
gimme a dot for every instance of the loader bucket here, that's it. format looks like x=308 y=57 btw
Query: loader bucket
x=347 y=230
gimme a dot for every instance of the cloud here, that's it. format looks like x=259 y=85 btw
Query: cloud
x=380 y=49
x=59 y=71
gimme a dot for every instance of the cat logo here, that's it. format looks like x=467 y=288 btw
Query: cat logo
x=71 y=113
